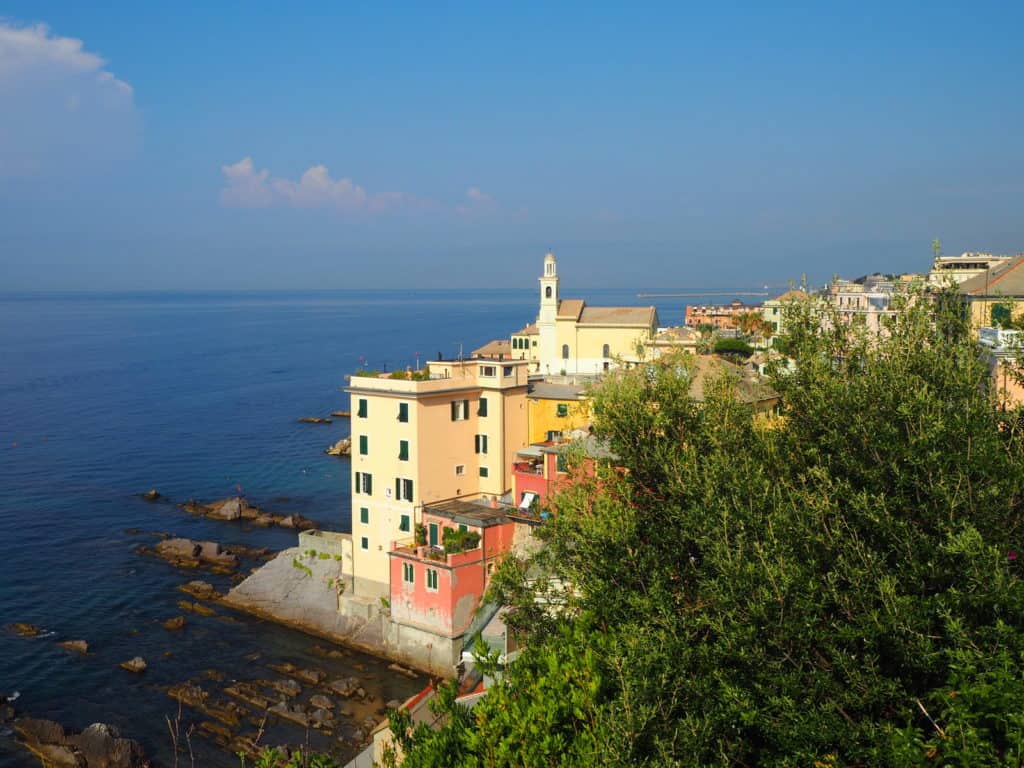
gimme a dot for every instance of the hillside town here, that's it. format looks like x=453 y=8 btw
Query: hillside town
x=453 y=466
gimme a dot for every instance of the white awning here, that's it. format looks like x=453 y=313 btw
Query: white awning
x=528 y=497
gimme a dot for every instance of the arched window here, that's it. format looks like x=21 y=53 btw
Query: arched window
x=547 y=292
x=606 y=351
x=565 y=351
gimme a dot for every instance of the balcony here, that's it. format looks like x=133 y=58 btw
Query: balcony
x=427 y=553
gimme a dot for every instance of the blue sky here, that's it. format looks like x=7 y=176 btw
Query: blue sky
x=374 y=144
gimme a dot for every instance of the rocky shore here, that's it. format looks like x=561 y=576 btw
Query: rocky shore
x=98 y=746
x=238 y=508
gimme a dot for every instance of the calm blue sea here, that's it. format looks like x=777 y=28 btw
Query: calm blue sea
x=103 y=396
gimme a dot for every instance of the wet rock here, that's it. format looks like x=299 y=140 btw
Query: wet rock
x=358 y=736
x=230 y=509
x=289 y=688
x=314 y=420
x=321 y=718
x=296 y=522
x=341 y=448
x=98 y=746
x=181 y=549
x=198 y=608
x=341 y=414
x=151 y=495
x=402 y=670
x=174 y=624
x=310 y=676
x=25 y=629
x=249 y=694
x=133 y=531
x=76 y=646
x=263 y=520
x=360 y=693
x=296 y=713
x=189 y=694
x=285 y=667
x=255 y=553
x=219 y=732
x=346 y=686
x=321 y=702
x=212 y=552
x=202 y=590
x=329 y=653
x=136 y=664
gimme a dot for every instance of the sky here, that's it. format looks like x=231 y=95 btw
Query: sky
x=192 y=146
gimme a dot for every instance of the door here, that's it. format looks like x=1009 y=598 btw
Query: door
x=433 y=534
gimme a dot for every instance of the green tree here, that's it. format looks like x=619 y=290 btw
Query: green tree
x=840 y=590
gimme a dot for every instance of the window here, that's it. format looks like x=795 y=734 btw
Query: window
x=364 y=483
x=565 y=351
x=460 y=410
x=481 y=409
x=547 y=292
x=403 y=489
x=403 y=411
x=481 y=444
x=364 y=543
x=1000 y=315
x=562 y=409
x=460 y=470
x=362 y=408
x=506 y=370
x=432 y=579
x=364 y=515
x=535 y=342
x=408 y=573
x=364 y=445
x=463 y=527
x=487 y=370
x=483 y=472
x=403 y=450
x=405 y=524
x=606 y=351
x=560 y=463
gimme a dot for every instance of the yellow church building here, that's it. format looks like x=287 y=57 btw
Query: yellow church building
x=571 y=337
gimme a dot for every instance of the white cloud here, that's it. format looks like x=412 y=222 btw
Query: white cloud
x=246 y=187
x=477 y=195
x=71 y=111
x=477 y=202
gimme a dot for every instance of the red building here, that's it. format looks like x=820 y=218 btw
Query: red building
x=540 y=469
x=718 y=315
x=438 y=589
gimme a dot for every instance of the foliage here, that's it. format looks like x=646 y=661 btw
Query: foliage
x=368 y=373
x=422 y=375
x=421 y=534
x=842 y=590
x=733 y=348
x=456 y=540
x=302 y=567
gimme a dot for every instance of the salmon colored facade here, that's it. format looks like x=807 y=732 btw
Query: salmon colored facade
x=437 y=591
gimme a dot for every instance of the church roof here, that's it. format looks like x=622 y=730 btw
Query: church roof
x=570 y=309
x=791 y=295
x=527 y=330
x=643 y=316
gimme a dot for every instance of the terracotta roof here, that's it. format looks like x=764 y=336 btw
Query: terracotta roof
x=793 y=295
x=1006 y=279
x=527 y=330
x=570 y=308
x=645 y=316
x=494 y=348
x=678 y=333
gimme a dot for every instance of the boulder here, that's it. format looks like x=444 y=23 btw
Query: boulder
x=198 y=608
x=178 y=549
x=25 y=629
x=310 y=676
x=289 y=688
x=347 y=686
x=202 y=590
x=211 y=552
x=393 y=704
x=314 y=420
x=137 y=665
x=40 y=731
x=230 y=509
x=321 y=702
x=151 y=495
x=320 y=718
x=102 y=745
x=76 y=646
x=175 y=623
x=189 y=694
x=341 y=448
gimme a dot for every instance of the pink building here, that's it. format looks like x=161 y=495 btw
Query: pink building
x=540 y=469
x=438 y=589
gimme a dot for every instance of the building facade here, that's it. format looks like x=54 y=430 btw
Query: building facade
x=452 y=434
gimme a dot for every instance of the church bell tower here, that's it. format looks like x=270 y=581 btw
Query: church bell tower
x=548 y=313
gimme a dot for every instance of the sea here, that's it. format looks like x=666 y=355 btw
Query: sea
x=104 y=396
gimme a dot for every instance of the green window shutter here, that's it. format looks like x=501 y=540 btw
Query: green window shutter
x=359 y=484
x=403 y=525
x=362 y=408
x=463 y=527
x=364 y=445
x=407 y=489
x=367 y=483
x=476 y=443
x=563 y=409
x=364 y=543
x=483 y=443
x=398 y=488
x=483 y=471
x=403 y=450
x=455 y=410
x=560 y=463
x=431 y=578
x=364 y=516
x=403 y=411
x=465 y=409
x=482 y=408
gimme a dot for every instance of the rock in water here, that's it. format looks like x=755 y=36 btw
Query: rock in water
x=77 y=646
x=341 y=448
x=151 y=495
x=175 y=623
x=24 y=629
x=229 y=510
x=137 y=665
